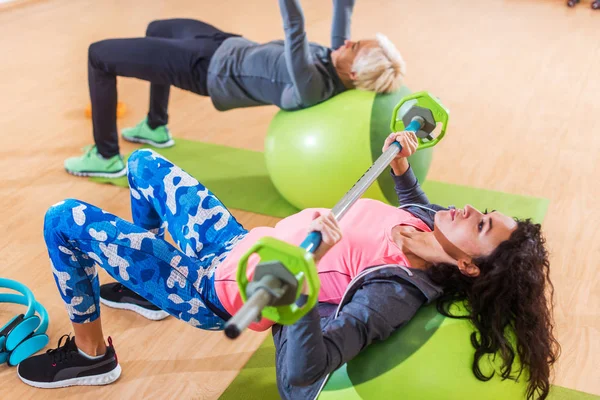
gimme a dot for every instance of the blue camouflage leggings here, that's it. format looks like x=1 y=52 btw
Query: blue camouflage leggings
x=180 y=281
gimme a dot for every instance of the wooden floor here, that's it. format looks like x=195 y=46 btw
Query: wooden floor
x=520 y=77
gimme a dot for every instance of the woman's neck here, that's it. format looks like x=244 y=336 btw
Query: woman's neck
x=421 y=248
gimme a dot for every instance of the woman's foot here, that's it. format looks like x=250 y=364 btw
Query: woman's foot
x=142 y=133
x=118 y=296
x=67 y=366
x=91 y=163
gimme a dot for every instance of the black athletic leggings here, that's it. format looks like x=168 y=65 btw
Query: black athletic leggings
x=174 y=52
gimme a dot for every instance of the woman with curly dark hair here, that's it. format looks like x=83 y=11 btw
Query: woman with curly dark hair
x=496 y=264
x=388 y=264
x=509 y=296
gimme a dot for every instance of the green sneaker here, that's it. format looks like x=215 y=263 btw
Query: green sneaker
x=93 y=164
x=142 y=133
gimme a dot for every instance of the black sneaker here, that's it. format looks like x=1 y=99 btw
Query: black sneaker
x=116 y=295
x=65 y=366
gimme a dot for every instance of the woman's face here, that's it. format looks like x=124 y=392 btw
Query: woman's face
x=475 y=233
x=343 y=57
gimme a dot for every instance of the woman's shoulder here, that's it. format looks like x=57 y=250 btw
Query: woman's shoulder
x=403 y=276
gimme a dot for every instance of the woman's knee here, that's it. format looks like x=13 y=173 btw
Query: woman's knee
x=62 y=207
x=97 y=51
x=160 y=28
x=138 y=162
x=55 y=214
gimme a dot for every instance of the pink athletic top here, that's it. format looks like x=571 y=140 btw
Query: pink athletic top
x=366 y=241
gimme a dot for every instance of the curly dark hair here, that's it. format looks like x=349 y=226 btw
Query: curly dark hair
x=511 y=297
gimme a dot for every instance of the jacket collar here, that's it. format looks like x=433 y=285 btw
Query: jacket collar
x=338 y=85
x=416 y=277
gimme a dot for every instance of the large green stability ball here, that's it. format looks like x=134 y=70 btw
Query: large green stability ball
x=428 y=359
x=315 y=155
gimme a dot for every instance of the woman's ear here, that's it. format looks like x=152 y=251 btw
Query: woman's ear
x=467 y=268
x=353 y=75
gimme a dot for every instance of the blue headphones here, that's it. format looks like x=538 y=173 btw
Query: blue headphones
x=25 y=334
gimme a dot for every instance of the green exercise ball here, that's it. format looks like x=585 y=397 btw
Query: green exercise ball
x=428 y=359
x=315 y=155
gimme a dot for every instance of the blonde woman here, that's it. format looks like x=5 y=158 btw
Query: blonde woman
x=234 y=71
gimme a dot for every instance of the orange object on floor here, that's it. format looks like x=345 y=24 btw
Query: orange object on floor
x=121 y=110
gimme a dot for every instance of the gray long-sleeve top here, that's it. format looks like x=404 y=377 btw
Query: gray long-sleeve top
x=291 y=74
x=376 y=303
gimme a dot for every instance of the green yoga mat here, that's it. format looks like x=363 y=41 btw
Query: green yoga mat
x=256 y=381
x=240 y=179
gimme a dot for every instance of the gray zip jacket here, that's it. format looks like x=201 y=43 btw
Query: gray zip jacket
x=291 y=73
x=378 y=301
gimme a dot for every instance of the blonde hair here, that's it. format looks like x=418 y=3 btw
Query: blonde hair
x=380 y=69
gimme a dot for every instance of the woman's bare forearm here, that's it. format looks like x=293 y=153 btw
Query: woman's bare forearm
x=399 y=166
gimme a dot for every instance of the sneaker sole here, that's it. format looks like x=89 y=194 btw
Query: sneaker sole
x=117 y=174
x=150 y=314
x=162 y=145
x=94 y=380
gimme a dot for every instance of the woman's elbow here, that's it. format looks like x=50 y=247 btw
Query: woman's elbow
x=304 y=377
x=311 y=98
